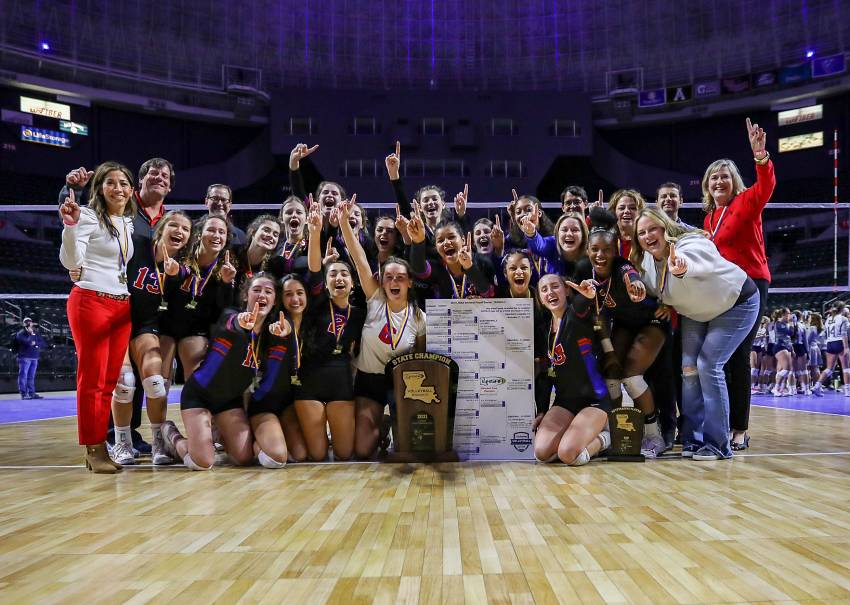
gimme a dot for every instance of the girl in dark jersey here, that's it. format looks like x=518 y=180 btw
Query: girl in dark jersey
x=573 y=429
x=637 y=334
x=525 y=211
x=293 y=249
x=294 y=299
x=205 y=288
x=329 y=330
x=782 y=352
x=757 y=354
x=561 y=251
x=241 y=344
x=459 y=272
x=150 y=277
x=261 y=239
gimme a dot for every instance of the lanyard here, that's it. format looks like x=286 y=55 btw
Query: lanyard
x=198 y=290
x=338 y=335
x=599 y=292
x=719 y=222
x=160 y=277
x=287 y=253
x=123 y=248
x=462 y=292
x=297 y=347
x=555 y=340
x=395 y=337
x=665 y=273
x=254 y=351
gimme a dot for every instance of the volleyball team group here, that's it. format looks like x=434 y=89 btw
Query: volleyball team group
x=284 y=330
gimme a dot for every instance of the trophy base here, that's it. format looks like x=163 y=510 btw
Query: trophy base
x=626 y=458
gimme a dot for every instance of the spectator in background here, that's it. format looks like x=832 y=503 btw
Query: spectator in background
x=733 y=222
x=574 y=199
x=219 y=200
x=669 y=199
x=29 y=344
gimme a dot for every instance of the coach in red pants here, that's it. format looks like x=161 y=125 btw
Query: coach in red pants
x=98 y=238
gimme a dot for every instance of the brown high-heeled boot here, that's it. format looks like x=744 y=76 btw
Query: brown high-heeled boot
x=98 y=460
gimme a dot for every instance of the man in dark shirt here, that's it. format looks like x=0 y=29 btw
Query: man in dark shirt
x=29 y=345
x=219 y=200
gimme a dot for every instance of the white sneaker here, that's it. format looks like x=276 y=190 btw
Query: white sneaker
x=159 y=452
x=653 y=447
x=122 y=453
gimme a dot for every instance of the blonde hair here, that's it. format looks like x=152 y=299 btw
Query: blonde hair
x=737 y=182
x=620 y=194
x=673 y=232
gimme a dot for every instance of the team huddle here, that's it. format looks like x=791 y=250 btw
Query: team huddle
x=283 y=331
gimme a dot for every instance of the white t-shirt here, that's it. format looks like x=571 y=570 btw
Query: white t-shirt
x=375 y=343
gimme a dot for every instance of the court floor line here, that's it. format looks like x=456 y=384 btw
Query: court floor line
x=175 y=467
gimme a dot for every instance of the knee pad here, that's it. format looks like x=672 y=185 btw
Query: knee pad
x=754 y=373
x=269 y=462
x=194 y=466
x=635 y=386
x=154 y=387
x=582 y=459
x=126 y=385
x=613 y=385
x=781 y=374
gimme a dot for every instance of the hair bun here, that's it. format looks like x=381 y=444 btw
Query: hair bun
x=602 y=220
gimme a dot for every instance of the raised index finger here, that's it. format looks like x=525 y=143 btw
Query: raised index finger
x=398 y=149
x=465 y=190
x=282 y=317
x=469 y=241
x=749 y=125
x=255 y=311
x=227 y=257
x=498 y=221
x=516 y=197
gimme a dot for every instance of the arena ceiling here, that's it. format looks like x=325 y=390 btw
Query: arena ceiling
x=439 y=44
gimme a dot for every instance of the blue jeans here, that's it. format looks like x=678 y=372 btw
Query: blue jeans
x=707 y=346
x=26 y=375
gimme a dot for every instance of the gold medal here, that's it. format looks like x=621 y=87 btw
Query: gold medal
x=551 y=372
x=122 y=277
x=338 y=350
x=295 y=381
x=163 y=306
x=191 y=304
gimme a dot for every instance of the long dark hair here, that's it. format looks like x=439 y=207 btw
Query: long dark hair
x=194 y=247
x=97 y=202
x=160 y=231
x=271 y=316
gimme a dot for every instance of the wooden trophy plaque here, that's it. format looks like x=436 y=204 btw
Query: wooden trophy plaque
x=424 y=394
x=626 y=426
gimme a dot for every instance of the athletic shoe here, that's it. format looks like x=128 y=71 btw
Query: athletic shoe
x=122 y=454
x=689 y=451
x=170 y=433
x=776 y=393
x=36 y=396
x=817 y=391
x=705 y=454
x=755 y=391
x=159 y=452
x=653 y=447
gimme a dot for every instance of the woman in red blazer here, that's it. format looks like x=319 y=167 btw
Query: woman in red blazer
x=733 y=222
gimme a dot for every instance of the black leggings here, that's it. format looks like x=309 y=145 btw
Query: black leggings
x=737 y=369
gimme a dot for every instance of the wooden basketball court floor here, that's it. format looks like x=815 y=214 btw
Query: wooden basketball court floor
x=769 y=526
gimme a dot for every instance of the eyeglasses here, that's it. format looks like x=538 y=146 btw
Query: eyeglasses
x=220 y=200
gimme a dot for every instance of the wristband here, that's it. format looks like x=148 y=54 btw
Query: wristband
x=762 y=161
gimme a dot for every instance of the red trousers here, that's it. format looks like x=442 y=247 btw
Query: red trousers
x=101 y=330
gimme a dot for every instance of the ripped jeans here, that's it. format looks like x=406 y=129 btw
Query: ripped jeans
x=706 y=347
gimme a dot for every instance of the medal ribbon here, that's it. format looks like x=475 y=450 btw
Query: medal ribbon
x=462 y=292
x=338 y=335
x=160 y=277
x=297 y=348
x=719 y=222
x=604 y=294
x=198 y=290
x=254 y=352
x=122 y=248
x=665 y=273
x=395 y=338
x=555 y=340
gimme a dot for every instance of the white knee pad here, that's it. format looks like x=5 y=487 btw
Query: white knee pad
x=635 y=386
x=781 y=374
x=269 y=462
x=827 y=374
x=126 y=385
x=754 y=372
x=154 y=387
x=582 y=459
x=613 y=385
x=194 y=466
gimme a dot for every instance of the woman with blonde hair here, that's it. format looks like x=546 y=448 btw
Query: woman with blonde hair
x=733 y=222
x=718 y=303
